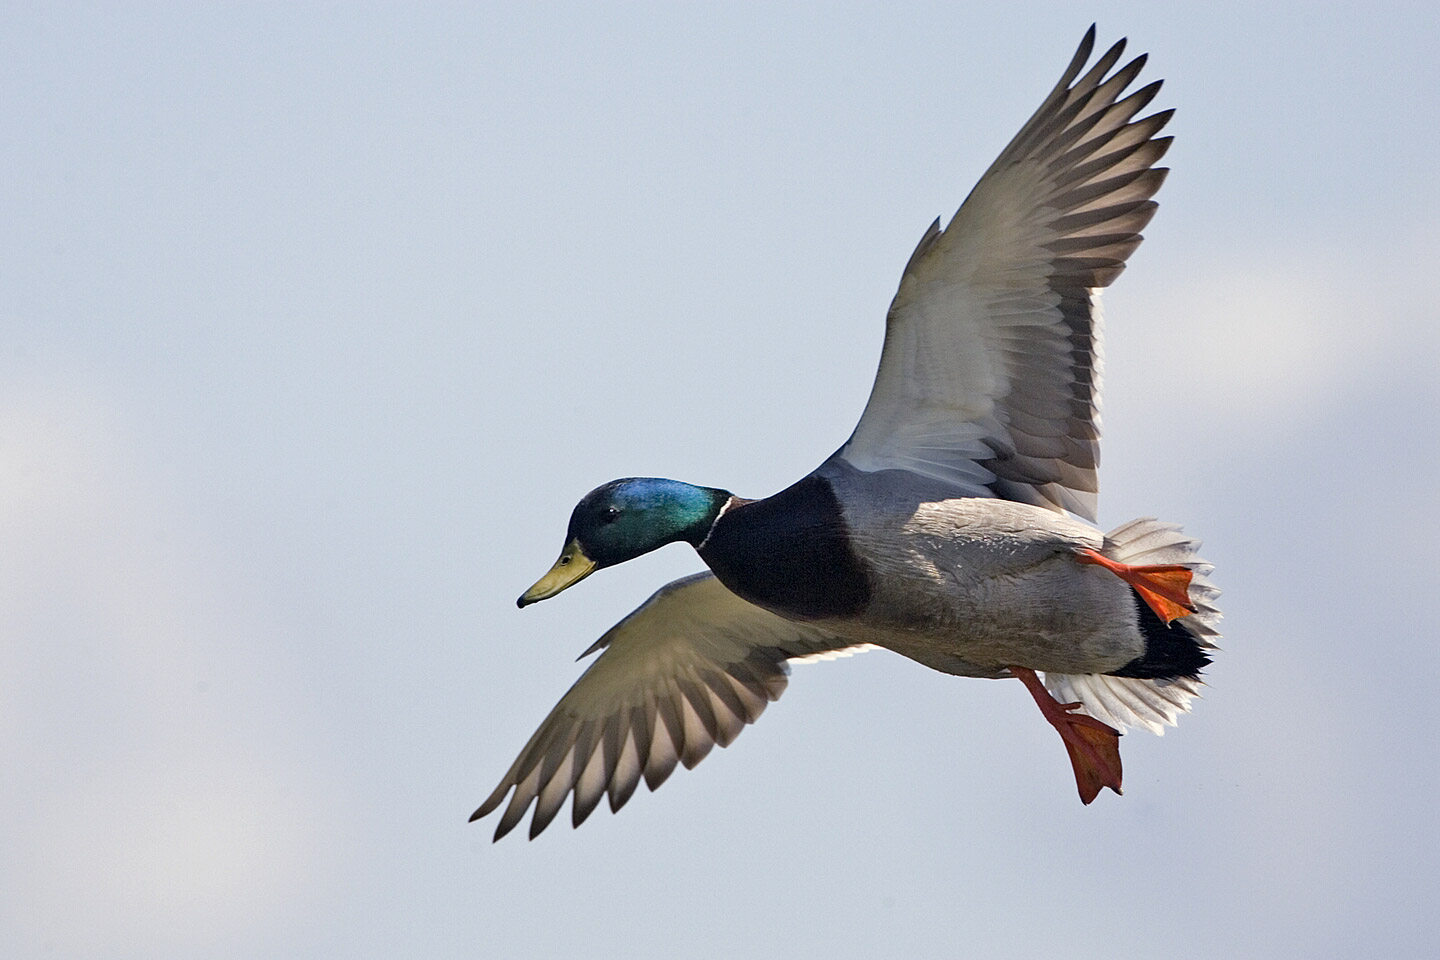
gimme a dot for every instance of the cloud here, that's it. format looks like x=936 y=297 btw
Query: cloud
x=139 y=811
x=1262 y=336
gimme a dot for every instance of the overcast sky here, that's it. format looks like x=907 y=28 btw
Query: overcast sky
x=317 y=322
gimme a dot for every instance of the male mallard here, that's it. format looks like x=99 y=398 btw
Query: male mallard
x=945 y=528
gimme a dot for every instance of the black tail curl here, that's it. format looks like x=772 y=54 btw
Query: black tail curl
x=1172 y=652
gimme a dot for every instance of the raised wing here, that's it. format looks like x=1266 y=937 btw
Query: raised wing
x=990 y=376
x=687 y=670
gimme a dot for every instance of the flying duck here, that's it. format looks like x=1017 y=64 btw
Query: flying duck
x=955 y=526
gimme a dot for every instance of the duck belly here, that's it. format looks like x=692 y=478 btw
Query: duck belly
x=974 y=585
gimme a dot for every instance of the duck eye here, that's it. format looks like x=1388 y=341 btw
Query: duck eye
x=611 y=515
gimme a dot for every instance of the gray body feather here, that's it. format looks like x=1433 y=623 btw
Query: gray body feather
x=971 y=585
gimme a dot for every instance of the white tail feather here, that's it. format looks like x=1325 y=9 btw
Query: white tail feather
x=1149 y=704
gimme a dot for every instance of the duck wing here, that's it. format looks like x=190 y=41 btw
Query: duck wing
x=990 y=375
x=687 y=670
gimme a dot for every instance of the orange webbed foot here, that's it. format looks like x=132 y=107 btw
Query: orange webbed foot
x=1094 y=747
x=1164 y=586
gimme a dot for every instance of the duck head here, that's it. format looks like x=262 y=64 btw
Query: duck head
x=624 y=519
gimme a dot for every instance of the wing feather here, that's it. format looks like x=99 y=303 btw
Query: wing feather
x=991 y=373
x=626 y=777
x=683 y=673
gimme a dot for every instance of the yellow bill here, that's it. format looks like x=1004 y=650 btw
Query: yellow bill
x=572 y=567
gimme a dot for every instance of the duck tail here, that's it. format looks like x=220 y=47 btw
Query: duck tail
x=1154 y=690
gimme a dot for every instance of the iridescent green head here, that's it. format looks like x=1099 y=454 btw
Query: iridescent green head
x=624 y=519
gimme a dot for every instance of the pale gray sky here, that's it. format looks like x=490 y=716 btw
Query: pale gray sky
x=317 y=322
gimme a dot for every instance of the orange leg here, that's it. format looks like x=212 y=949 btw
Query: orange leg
x=1094 y=747
x=1164 y=586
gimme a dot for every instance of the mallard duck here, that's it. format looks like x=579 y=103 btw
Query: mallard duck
x=955 y=526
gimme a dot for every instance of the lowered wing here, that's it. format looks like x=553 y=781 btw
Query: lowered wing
x=687 y=670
